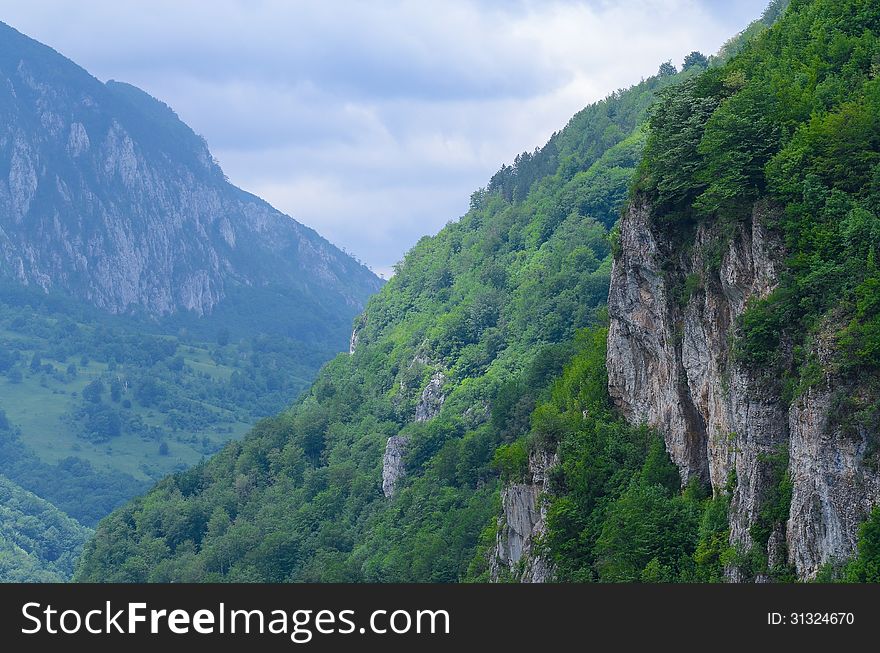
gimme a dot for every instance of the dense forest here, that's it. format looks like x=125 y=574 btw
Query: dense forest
x=38 y=542
x=489 y=344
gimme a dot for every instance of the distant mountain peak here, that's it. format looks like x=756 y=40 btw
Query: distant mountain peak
x=106 y=195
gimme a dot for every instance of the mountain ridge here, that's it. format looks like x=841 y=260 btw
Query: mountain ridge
x=108 y=196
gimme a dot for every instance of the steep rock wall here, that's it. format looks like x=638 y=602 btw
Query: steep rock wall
x=523 y=514
x=673 y=310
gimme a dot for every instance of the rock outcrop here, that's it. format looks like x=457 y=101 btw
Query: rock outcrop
x=392 y=463
x=673 y=313
x=432 y=398
x=523 y=513
x=835 y=485
x=359 y=325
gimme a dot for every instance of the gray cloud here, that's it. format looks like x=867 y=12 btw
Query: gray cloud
x=374 y=121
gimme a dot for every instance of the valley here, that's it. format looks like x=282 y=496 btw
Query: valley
x=647 y=352
x=149 y=310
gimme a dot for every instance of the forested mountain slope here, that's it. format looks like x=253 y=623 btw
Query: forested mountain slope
x=447 y=364
x=471 y=435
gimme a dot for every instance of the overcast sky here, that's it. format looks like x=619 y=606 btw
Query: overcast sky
x=374 y=121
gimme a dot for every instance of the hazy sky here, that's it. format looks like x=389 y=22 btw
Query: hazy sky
x=374 y=121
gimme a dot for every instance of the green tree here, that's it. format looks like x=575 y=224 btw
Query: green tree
x=667 y=69
x=93 y=391
x=866 y=566
x=695 y=59
x=646 y=534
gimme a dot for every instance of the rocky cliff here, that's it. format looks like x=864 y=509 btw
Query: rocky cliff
x=393 y=466
x=673 y=312
x=106 y=195
x=523 y=514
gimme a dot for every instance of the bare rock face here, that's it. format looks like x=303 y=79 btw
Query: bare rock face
x=392 y=463
x=523 y=514
x=673 y=311
x=644 y=349
x=432 y=398
x=359 y=325
x=835 y=484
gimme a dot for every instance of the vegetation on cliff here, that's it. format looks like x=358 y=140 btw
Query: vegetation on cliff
x=794 y=118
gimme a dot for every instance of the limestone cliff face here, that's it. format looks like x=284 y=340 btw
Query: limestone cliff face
x=673 y=311
x=432 y=398
x=393 y=467
x=523 y=514
x=836 y=476
x=106 y=195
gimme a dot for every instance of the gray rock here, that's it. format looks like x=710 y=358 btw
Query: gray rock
x=522 y=521
x=134 y=214
x=670 y=365
x=352 y=342
x=78 y=142
x=835 y=487
x=393 y=467
x=432 y=398
x=359 y=325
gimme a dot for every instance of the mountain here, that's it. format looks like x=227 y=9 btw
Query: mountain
x=744 y=303
x=497 y=420
x=150 y=311
x=383 y=470
x=106 y=195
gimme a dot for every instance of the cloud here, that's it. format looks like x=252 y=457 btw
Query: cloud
x=373 y=122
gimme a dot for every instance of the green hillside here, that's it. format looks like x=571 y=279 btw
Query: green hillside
x=38 y=543
x=96 y=408
x=488 y=344
x=493 y=303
